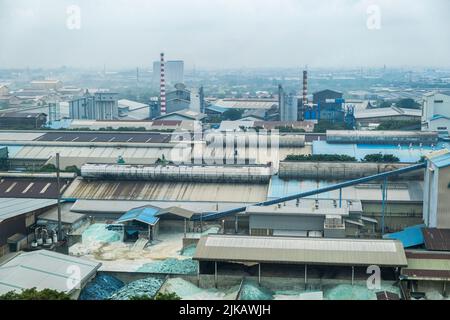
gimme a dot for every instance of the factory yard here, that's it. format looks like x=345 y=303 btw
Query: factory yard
x=116 y=255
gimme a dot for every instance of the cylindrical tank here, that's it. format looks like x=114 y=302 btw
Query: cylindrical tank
x=231 y=174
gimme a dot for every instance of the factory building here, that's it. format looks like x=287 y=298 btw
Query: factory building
x=436 y=113
x=97 y=106
x=182 y=115
x=382 y=137
x=308 y=218
x=16 y=120
x=45 y=269
x=23 y=198
x=181 y=99
x=293 y=257
x=288 y=105
x=133 y=110
x=328 y=105
x=46 y=84
x=368 y=117
x=436 y=203
x=174 y=72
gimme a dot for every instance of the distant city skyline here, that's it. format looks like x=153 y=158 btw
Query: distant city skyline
x=224 y=34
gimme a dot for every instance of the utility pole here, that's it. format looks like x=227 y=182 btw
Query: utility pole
x=58 y=185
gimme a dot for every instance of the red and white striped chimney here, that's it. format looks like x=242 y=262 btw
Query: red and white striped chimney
x=162 y=87
x=305 y=87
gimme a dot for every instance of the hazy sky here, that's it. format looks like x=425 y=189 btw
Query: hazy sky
x=226 y=33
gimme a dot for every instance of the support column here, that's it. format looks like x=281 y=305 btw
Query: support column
x=340 y=198
x=259 y=273
x=198 y=274
x=306 y=274
x=185 y=227
x=383 y=204
x=353 y=275
x=201 y=222
x=236 y=224
x=215 y=273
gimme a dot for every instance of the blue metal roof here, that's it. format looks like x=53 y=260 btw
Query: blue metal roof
x=409 y=237
x=438 y=116
x=142 y=214
x=441 y=161
x=217 y=108
x=405 y=153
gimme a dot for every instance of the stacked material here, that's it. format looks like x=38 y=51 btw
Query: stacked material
x=98 y=233
x=356 y=292
x=189 y=251
x=144 y=287
x=171 y=266
x=188 y=291
x=252 y=291
x=101 y=288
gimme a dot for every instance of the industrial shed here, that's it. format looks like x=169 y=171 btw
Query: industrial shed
x=288 y=256
x=45 y=269
x=16 y=218
x=427 y=270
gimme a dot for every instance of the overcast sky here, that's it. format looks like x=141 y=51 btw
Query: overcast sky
x=225 y=33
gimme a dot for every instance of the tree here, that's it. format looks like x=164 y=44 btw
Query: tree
x=408 y=103
x=34 y=294
x=232 y=114
x=167 y=296
x=143 y=297
x=380 y=158
x=320 y=157
x=399 y=125
x=73 y=169
x=324 y=125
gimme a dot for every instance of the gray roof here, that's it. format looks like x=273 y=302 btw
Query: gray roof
x=319 y=251
x=12 y=207
x=67 y=216
x=45 y=269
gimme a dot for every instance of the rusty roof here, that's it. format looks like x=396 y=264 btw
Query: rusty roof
x=437 y=239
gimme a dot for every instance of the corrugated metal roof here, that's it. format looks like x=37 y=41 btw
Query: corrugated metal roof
x=301 y=250
x=44 y=269
x=246 y=103
x=40 y=188
x=142 y=214
x=12 y=207
x=121 y=206
x=409 y=237
x=165 y=191
x=437 y=239
x=441 y=161
x=427 y=265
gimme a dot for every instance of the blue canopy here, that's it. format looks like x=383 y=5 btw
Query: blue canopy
x=141 y=214
x=409 y=237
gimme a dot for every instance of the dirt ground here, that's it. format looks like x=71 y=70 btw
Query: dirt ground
x=119 y=256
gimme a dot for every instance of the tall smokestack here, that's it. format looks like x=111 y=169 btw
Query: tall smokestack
x=305 y=87
x=162 y=87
